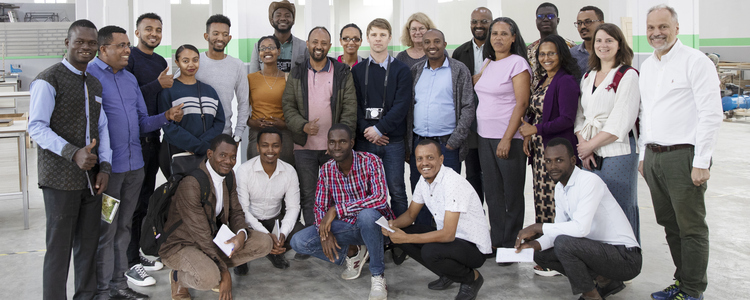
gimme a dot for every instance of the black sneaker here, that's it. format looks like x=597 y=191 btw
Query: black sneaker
x=150 y=265
x=127 y=293
x=242 y=269
x=300 y=256
x=278 y=261
x=440 y=284
x=469 y=291
x=138 y=276
x=399 y=256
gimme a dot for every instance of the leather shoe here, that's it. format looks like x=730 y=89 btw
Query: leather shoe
x=178 y=292
x=399 y=256
x=127 y=293
x=440 y=284
x=300 y=256
x=241 y=270
x=610 y=289
x=469 y=291
x=278 y=261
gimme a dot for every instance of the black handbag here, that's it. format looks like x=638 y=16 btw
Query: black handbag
x=598 y=160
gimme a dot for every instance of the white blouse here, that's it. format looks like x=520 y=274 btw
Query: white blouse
x=605 y=110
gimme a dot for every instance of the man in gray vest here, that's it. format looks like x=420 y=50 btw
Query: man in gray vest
x=74 y=158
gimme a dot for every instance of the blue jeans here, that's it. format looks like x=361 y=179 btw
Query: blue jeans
x=451 y=159
x=363 y=232
x=392 y=155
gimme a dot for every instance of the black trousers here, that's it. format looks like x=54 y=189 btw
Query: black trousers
x=270 y=223
x=455 y=260
x=73 y=219
x=582 y=259
x=150 y=149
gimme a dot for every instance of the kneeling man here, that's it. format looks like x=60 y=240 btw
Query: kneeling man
x=456 y=249
x=591 y=239
x=190 y=251
x=351 y=195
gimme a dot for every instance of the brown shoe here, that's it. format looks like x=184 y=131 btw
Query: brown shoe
x=178 y=292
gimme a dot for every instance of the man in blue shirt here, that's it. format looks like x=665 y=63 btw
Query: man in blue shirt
x=589 y=17
x=443 y=107
x=150 y=69
x=126 y=112
x=70 y=128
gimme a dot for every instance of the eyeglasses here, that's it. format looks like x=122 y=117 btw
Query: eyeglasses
x=484 y=22
x=420 y=29
x=587 y=22
x=548 y=54
x=348 y=39
x=119 y=46
x=269 y=48
x=547 y=16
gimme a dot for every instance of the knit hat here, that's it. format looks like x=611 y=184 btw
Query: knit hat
x=279 y=4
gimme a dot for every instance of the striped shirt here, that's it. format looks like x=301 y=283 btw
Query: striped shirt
x=363 y=188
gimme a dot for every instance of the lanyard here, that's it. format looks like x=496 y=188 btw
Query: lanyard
x=385 y=83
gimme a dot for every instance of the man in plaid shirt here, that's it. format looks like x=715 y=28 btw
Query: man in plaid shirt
x=351 y=195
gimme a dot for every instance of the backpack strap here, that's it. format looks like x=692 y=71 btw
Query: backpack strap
x=205 y=190
x=620 y=73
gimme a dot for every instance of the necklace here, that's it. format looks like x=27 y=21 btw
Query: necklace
x=274 y=81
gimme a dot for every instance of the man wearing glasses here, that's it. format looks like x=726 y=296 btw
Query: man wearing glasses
x=589 y=17
x=547 y=18
x=127 y=117
x=470 y=53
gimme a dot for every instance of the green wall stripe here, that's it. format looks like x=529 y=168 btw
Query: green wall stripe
x=725 y=42
x=640 y=42
x=165 y=51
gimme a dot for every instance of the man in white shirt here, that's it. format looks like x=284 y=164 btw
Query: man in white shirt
x=268 y=191
x=591 y=238
x=456 y=249
x=680 y=118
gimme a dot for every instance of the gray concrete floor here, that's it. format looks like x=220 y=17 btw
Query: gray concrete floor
x=22 y=251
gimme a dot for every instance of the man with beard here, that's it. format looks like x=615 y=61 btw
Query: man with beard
x=680 y=118
x=351 y=196
x=67 y=121
x=470 y=53
x=226 y=74
x=150 y=70
x=320 y=92
x=591 y=241
x=589 y=17
x=281 y=15
x=547 y=18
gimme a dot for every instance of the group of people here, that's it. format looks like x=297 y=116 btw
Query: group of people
x=328 y=138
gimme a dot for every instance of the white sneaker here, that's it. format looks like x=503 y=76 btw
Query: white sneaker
x=378 y=288
x=354 y=264
x=150 y=265
x=138 y=276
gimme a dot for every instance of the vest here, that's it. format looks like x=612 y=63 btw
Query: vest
x=68 y=120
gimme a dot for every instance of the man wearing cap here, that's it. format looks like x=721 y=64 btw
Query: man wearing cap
x=293 y=50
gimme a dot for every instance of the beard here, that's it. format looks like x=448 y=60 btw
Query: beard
x=276 y=27
x=322 y=57
x=479 y=37
x=145 y=43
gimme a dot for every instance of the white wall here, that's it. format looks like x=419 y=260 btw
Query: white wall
x=189 y=24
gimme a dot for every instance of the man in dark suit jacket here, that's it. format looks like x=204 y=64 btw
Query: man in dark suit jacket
x=470 y=53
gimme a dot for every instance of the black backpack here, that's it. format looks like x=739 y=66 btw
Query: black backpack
x=153 y=233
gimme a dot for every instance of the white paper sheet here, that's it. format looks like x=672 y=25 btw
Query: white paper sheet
x=384 y=223
x=509 y=255
x=276 y=230
x=222 y=236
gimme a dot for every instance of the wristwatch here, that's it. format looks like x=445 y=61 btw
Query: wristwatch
x=237 y=138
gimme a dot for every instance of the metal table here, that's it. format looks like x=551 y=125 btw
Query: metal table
x=18 y=130
x=13 y=95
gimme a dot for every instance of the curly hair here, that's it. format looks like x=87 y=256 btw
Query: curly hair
x=567 y=62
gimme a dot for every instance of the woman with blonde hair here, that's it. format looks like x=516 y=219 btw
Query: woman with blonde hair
x=416 y=26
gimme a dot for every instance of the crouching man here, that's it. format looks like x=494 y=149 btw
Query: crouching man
x=190 y=251
x=456 y=249
x=591 y=239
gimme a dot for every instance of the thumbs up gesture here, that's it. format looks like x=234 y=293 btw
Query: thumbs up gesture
x=165 y=79
x=84 y=158
x=311 y=128
x=174 y=113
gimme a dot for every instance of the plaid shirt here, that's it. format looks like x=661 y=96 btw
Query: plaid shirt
x=363 y=188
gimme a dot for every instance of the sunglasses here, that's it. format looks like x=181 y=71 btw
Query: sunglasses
x=547 y=16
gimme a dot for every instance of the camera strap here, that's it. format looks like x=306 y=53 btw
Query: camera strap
x=385 y=82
